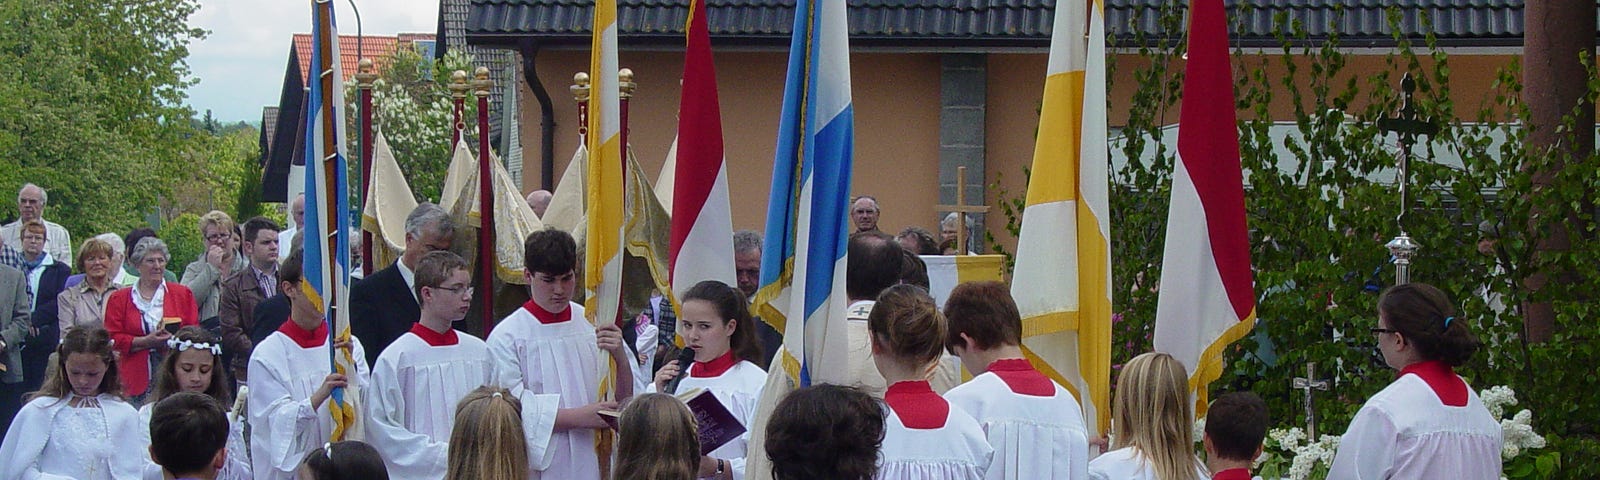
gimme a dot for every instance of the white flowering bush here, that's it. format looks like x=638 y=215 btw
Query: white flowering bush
x=413 y=109
x=1519 y=437
x=1288 y=453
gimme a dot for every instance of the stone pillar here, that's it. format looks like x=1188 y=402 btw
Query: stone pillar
x=963 y=98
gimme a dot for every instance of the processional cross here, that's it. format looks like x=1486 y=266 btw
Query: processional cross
x=961 y=210
x=1309 y=383
x=1407 y=126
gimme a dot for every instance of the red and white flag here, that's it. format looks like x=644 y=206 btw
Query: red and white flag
x=1207 y=291
x=702 y=223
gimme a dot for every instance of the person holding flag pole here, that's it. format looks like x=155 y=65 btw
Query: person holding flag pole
x=289 y=392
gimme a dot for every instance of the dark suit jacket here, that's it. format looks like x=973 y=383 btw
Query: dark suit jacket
x=45 y=320
x=236 y=306
x=382 y=309
x=270 y=314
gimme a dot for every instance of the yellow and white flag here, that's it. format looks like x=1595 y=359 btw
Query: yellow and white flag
x=1062 y=281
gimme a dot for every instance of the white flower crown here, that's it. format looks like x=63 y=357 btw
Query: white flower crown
x=181 y=345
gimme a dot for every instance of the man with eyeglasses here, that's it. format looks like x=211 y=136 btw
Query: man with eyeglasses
x=385 y=305
x=416 y=382
x=204 y=275
x=244 y=290
x=31 y=200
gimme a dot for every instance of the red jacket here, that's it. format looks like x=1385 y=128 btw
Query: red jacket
x=124 y=322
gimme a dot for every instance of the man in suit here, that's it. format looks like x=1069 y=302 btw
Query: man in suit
x=13 y=331
x=244 y=289
x=384 y=306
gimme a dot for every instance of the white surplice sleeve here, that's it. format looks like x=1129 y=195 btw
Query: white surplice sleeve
x=757 y=466
x=1367 y=450
x=538 y=410
x=24 y=443
x=408 y=454
x=283 y=426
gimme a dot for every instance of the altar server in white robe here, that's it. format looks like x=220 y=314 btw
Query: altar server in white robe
x=554 y=361
x=716 y=324
x=925 y=437
x=1034 y=424
x=76 y=426
x=419 y=379
x=1428 y=424
x=290 y=387
x=1152 y=423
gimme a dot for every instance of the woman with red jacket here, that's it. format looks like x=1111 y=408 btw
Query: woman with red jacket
x=137 y=317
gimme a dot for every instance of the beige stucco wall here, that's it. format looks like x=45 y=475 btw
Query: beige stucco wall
x=896 y=99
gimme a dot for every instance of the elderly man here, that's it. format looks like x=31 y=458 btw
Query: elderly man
x=539 y=200
x=218 y=262
x=864 y=213
x=384 y=306
x=297 y=213
x=31 y=201
x=747 y=270
x=246 y=288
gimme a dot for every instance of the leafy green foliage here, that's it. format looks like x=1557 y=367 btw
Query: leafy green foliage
x=184 y=241
x=412 y=109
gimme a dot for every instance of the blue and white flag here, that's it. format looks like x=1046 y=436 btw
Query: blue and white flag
x=802 y=268
x=327 y=229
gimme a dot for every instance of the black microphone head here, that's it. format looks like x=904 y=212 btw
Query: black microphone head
x=685 y=358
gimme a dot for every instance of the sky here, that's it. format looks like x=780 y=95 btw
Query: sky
x=240 y=64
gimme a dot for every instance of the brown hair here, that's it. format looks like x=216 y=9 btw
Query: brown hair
x=985 y=312
x=731 y=305
x=1424 y=316
x=825 y=431
x=88 y=340
x=1236 y=424
x=435 y=268
x=95 y=246
x=906 y=322
x=657 y=440
x=35 y=226
x=167 y=381
x=487 y=441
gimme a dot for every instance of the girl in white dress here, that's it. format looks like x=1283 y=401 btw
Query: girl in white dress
x=1428 y=424
x=925 y=437
x=196 y=366
x=1151 y=424
x=77 y=426
x=716 y=324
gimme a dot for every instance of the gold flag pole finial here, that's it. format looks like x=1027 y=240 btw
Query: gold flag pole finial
x=458 y=84
x=625 y=83
x=365 y=73
x=580 y=87
x=481 y=82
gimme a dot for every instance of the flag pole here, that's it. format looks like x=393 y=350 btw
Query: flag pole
x=458 y=95
x=486 y=260
x=625 y=88
x=580 y=94
x=364 y=78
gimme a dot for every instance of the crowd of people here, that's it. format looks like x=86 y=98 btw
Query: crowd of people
x=124 y=370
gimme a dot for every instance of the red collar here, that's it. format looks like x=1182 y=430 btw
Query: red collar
x=1232 y=474
x=545 y=316
x=1022 y=377
x=305 y=338
x=1452 y=391
x=714 y=368
x=916 y=405
x=435 y=339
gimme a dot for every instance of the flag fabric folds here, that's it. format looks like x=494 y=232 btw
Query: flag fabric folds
x=602 y=275
x=1207 y=297
x=1062 y=281
x=327 y=228
x=803 y=264
x=947 y=271
x=702 y=222
x=389 y=201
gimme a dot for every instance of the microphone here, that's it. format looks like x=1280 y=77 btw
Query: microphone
x=685 y=359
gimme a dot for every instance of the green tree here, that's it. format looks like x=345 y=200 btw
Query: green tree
x=412 y=108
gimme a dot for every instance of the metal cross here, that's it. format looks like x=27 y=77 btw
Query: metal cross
x=961 y=209
x=1407 y=127
x=1309 y=383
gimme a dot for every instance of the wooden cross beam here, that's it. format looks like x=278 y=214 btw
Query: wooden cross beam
x=961 y=210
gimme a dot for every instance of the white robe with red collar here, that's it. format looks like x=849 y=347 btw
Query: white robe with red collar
x=411 y=403
x=1035 y=426
x=551 y=365
x=738 y=388
x=1428 y=424
x=927 y=438
x=285 y=369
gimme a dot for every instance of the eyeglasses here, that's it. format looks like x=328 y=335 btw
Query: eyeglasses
x=218 y=236
x=464 y=290
x=1376 y=331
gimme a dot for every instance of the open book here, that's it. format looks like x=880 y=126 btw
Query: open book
x=717 y=425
